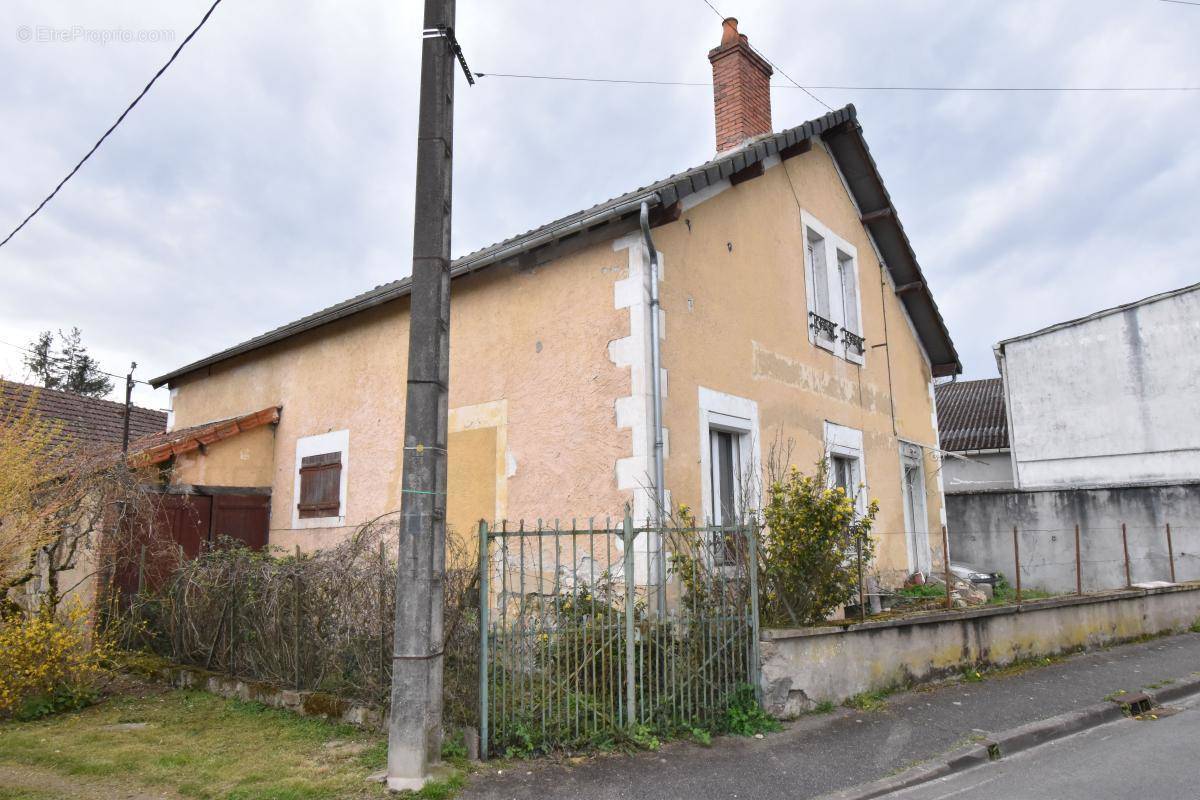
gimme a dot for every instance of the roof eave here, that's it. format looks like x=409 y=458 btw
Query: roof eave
x=848 y=146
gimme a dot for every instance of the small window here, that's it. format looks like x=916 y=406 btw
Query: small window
x=320 y=486
x=843 y=474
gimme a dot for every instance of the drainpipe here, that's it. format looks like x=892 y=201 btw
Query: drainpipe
x=660 y=501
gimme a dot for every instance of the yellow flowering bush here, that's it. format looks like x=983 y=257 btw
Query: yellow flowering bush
x=49 y=663
x=809 y=559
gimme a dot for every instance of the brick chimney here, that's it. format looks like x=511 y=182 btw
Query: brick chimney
x=741 y=89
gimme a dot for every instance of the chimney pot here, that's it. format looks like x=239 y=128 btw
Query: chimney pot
x=741 y=89
x=729 y=31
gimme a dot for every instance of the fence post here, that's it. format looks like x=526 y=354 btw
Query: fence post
x=1078 y=564
x=862 y=600
x=755 y=666
x=1125 y=545
x=141 y=583
x=296 y=617
x=484 y=601
x=1170 y=553
x=630 y=601
x=233 y=609
x=384 y=618
x=1017 y=561
x=946 y=564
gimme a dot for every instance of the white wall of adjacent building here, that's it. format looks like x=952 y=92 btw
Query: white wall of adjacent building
x=977 y=471
x=1110 y=400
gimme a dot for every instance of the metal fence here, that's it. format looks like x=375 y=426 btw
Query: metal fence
x=589 y=634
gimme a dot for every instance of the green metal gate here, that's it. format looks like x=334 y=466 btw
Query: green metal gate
x=590 y=634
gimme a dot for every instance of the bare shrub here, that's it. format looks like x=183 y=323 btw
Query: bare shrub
x=320 y=621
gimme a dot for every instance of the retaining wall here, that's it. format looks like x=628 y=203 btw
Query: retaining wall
x=806 y=666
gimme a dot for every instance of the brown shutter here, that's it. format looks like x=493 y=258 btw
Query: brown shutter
x=320 y=485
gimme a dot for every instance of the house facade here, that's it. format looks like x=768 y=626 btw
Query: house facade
x=792 y=310
x=1092 y=424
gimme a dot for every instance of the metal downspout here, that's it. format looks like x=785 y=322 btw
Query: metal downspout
x=660 y=501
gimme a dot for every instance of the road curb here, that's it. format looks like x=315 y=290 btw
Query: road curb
x=1011 y=742
x=1176 y=690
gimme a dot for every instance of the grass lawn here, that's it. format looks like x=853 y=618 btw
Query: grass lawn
x=187 y=744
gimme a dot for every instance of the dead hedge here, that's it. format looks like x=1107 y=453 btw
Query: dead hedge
x=319 y=621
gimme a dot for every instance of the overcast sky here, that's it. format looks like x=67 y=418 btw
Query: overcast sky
x=269 y=172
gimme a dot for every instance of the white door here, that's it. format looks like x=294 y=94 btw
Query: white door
x=916 y=517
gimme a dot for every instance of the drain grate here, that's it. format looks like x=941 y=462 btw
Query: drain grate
x=1134 y=705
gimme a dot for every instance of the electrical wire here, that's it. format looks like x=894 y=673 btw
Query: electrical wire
x=102 y=372
x=850 y=87
x=775 y=66
x=120 y=119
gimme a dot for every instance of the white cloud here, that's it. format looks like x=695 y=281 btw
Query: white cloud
x=269 y=173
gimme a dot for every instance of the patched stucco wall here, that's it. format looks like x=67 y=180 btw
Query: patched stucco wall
x=736 y=321
x=801 y=668
x=981 y=534
x=246 y=459
x=536 y=339
x=1109 y=400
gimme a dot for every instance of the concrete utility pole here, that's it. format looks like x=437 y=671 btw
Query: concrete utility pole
x=415 y=719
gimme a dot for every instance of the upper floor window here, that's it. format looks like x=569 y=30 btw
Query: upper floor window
x=834 y=304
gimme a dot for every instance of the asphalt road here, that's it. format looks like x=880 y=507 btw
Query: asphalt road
x=1125 y=759
x=820 y=754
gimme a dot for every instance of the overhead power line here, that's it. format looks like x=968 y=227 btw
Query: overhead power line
x=120 y=119
x=1182 y=2
x=850 y=87
x=102 y=372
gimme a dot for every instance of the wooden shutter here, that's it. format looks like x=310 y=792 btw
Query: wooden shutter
x=320 y=485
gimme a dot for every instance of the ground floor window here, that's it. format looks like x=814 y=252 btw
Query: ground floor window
x=847 y=465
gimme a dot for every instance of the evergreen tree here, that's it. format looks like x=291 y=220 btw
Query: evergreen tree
x=70 y=368
x=42 y=361
x=80 y=372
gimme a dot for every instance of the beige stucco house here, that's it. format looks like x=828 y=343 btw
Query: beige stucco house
x=792 y=306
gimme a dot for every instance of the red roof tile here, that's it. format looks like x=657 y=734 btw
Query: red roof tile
x=162 y=446
x=86 y=421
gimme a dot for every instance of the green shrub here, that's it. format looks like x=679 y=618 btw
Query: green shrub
x=745 y=717
x=810 y=558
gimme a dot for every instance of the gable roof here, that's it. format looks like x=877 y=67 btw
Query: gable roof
x=1154 y=298
x=840 y=131
x=161 y=446
x=85 y=421
x=971 y=415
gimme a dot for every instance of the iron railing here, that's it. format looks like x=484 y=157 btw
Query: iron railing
x=587 y=634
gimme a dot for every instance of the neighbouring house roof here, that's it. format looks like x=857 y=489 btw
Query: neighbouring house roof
x=163 y=446
x=971 y=415
x=85 y=421
x=843 y=136
x=1098 y=314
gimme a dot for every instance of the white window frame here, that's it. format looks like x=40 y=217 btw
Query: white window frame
x=334 y=441
x=738 y=415
x=836 y=252
x=848 y=443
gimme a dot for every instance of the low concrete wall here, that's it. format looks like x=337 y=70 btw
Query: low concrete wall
x=309 y=704
x=980 y=526
x=806 y=666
